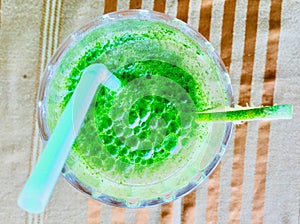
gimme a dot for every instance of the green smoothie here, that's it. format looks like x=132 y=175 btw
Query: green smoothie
x=144 y=140
x=118 y=157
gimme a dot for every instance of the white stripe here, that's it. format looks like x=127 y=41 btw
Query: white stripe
x=235 y=71
x=42 y=217
x=216 y=24
x=171 y=8
x=148 y=4
x=225 y=182
x=177 y=211
x=130 y=215
x=35 y=218
x=122 y=5
x=283 y=180
x=257 y=86
x=194 y=13
x=105 y=214
x=201 y=201
x=238 y=46
x=30 y=218
x=225 y=173
x=100 y=10
x=154 y=215
x=260 y=52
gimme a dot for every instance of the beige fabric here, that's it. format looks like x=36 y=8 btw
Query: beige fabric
x=31 y=30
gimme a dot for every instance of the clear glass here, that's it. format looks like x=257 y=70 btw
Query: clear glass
x=124 y=38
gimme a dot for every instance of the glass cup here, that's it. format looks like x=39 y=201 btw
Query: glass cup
x=140 y=146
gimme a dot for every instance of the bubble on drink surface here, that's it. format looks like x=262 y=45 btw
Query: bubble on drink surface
x=135 y=118
x=119 y=140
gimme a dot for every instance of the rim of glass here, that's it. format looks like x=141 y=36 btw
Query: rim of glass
x=103 y=20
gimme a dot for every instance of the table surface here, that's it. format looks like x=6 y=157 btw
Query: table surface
x=258 y=180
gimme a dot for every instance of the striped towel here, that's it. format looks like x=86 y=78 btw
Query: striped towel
x=258 y=180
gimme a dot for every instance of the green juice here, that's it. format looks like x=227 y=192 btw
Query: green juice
x=141 y=142
x=107 y=151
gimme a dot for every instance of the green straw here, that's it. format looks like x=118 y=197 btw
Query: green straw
x=239 y=113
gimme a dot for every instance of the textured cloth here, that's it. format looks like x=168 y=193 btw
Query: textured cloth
x=258 y=180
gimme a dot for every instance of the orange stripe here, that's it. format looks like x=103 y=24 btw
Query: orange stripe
x=226 y=51
x=135 y=4
x=213 y=196
x=249 y=51
x=166 y=214
x=245 y=95
x=237 y=173
x=205 y=18
x=142 y=216
x=189 y=207
x=272 y=53
x=183 y=10
x=159 y=5
x=110 y=6
x=260 y=172
x=264 y=126
x=118 y=215
x=227 y=32
x=93 y=214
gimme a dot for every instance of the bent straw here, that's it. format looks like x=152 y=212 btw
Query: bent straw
x=38 y=188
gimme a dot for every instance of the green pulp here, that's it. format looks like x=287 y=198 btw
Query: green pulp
x=105 y=148
x=127 y=153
